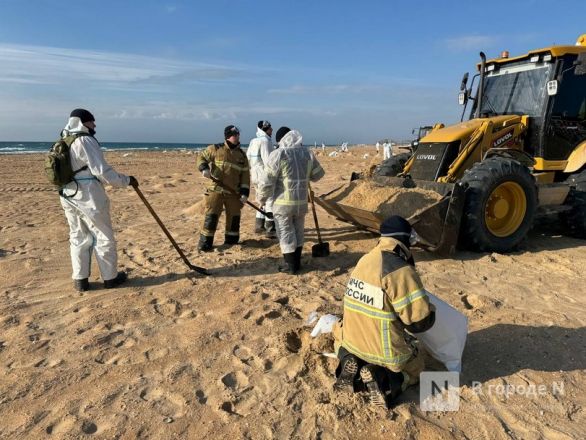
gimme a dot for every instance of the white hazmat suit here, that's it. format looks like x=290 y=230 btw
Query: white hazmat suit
x=258 y=153
x=289 y=170
x=88 y=211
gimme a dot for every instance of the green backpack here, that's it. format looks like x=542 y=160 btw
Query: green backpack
x=58 y=162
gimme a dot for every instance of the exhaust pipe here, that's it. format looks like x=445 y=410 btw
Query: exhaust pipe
x=480 y=85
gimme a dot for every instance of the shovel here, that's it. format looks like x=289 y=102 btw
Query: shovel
x=168 y=234
x=320 y=249
x=268 y=215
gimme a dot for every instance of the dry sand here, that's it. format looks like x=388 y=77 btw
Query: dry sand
x=384 y=200
x=174 y=355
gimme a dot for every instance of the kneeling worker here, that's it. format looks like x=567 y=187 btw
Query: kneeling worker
x=228 y=165
x=384 y=297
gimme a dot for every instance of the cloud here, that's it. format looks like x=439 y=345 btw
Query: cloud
x=325 y=89
x=170 y=8
x=52 y=65
x=208 y=112
x=470 y=42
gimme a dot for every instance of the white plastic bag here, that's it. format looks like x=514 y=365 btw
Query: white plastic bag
x=446 y=339
x=325 y=324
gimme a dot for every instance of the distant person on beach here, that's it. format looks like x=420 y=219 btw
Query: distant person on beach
x=289 y=171
x=87 y=207
x=387 y=150
x=227 y=166
x=258 y=153
x=377 y=147
x=384 y=297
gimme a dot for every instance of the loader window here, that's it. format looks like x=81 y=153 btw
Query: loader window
x=516 y=89
x=570 y=101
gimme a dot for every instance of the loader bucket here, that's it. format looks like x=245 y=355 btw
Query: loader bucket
x=437 y=224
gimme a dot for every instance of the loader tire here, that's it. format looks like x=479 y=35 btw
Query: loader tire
x=392 y=166
x=574 y=220
x=500 y=205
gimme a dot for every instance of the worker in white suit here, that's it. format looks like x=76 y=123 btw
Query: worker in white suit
x=258 y=153
x=87 y=207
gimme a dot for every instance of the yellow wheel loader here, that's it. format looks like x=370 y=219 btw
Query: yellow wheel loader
x=522 y=153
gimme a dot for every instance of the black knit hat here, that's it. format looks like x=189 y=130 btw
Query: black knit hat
x=264 y=125
x=396 y=227
x=83 y=115
x=230 y=131
x=281 y=132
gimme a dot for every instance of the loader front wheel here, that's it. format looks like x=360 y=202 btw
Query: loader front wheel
x=392 y=166
x=501 y=201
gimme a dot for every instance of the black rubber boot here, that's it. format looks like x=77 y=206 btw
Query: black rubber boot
x=205 y=243
x=82 y=285
x=115 y=282
x=289 y=266
x=297 y=263
x=231 y=239
x=259 y=225
x=271 y=229
x=383 y=385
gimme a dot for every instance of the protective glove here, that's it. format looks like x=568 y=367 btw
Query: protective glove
x=207 y=173
x=243 y=199
x=133 y=182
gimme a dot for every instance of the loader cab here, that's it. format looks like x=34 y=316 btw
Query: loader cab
x=550 y=90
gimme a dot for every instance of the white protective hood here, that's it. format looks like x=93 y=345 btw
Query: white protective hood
x=74 y=126
x=291 y=139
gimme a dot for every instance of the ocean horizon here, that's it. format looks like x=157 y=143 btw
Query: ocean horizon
x=20 y=147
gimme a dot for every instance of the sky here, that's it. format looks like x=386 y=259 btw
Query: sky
x=180 y=71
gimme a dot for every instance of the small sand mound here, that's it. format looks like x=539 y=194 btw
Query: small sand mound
x=384 y=200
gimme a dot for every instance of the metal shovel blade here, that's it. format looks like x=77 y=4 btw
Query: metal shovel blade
x=320 y=250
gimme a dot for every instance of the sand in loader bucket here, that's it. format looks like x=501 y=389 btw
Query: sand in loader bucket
x=384 y=200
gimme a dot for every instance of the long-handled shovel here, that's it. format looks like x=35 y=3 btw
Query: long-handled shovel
x=320 y=249
x=268 y=215
x=168 y=234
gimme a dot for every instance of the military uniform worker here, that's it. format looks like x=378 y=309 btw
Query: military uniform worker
x=258 y=153
x=86 y=204
x=384 y=297
x=289 y=170
x=228 y=164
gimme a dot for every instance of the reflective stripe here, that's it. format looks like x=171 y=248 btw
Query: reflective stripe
x=369 y=357
x=370 y=312
x=386 y=339
x=286 y=191
x=221 y=163
x=403 y=302
x=289 y=202
x=234 y=234
x=85 y=178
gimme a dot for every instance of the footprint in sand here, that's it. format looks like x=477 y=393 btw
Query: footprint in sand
x=293 y=342
x=165 y=403
x=273 y=314
x=167 y=307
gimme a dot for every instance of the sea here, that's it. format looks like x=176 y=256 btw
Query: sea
x=43 y=147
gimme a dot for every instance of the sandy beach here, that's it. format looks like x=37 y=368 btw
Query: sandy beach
x=172 y=354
